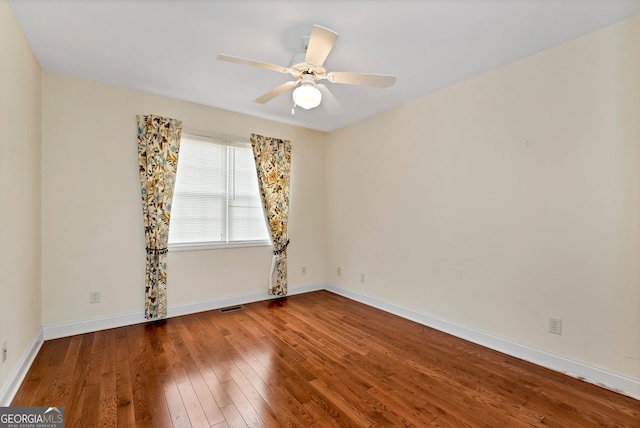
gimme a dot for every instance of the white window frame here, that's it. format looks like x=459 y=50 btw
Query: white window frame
x=198 y=246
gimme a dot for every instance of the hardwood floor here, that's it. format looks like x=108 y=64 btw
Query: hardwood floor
x=314 y=360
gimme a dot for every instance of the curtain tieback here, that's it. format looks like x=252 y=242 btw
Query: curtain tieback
x=281 y=249
x=157 y=250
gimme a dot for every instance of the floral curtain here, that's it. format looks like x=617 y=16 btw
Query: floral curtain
x=158 y=147
x=273 y=162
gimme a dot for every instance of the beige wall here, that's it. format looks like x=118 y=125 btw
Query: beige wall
x=19 y=192
x=92 y=235
x=504 y=200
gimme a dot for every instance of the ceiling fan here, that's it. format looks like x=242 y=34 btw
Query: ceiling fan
x=307 y=69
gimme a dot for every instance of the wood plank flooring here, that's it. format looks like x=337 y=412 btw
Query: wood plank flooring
x=314 y=360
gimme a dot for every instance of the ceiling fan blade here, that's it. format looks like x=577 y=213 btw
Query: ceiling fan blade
x=362 y=79
x=252 y=63
x=329 y=101
x=321 y=42
x=276 y=91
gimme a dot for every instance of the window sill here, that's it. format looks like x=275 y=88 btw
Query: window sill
x=217 y=246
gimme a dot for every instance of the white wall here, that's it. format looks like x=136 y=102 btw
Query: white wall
x=92 y=234
x=19 y=193
x=504 y=200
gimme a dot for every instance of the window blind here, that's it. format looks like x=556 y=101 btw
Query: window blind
x=216 y=198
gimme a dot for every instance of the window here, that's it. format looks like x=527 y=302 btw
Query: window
x=216 y=201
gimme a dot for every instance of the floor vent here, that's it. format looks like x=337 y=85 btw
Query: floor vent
x=230 y=309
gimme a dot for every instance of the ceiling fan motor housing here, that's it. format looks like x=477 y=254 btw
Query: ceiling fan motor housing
x=297 y=60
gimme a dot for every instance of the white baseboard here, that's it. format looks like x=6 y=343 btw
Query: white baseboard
x=54 y=331
x=597 y=376
x=615 y=382
x=241 y=299
x=10 y=387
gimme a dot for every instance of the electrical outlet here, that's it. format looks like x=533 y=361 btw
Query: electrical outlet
x=339 y=271
x=362 y=277
x=304 y=270
x=555 y=325
x=94 y=297
x=4 y=351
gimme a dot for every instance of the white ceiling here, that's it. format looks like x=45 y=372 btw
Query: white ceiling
x=169 y=47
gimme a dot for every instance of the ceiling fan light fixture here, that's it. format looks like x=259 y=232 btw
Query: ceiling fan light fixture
x=307 y=95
